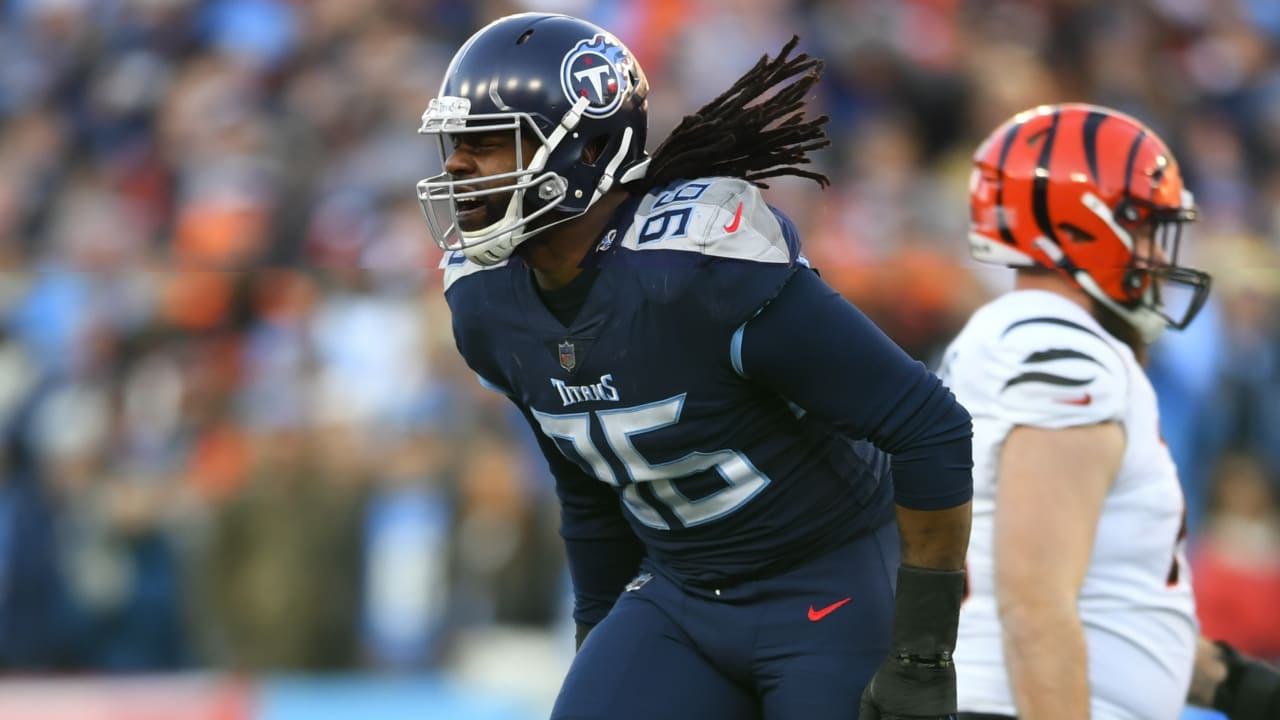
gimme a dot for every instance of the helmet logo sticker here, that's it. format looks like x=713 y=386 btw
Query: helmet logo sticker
x=597 y=69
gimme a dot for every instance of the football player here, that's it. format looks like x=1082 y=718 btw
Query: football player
x=1079 y=602
x=729 y=436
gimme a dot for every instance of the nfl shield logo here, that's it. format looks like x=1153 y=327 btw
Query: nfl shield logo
x=568 y=359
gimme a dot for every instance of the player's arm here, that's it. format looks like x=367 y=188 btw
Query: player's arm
x=603 y=553
x=1050 y=489
x=816 y=349
x=813 y=347
x=1240 y=687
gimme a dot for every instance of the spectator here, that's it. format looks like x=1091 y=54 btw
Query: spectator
x=1236 y=563
x=157 y=156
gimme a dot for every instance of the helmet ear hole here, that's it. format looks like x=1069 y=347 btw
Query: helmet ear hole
x=593 y=150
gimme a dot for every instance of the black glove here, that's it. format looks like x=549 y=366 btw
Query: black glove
x=918 y=680
x=1251 y=690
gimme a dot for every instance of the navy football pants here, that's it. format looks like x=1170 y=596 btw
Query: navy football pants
x=789 y=647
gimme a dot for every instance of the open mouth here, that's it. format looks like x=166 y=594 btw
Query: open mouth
x=470 y=213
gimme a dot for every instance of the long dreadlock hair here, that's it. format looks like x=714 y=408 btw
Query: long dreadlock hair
x=740 y=135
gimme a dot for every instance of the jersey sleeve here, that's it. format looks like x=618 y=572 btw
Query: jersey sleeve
x=603 y=553
x=713 y=244
x=1055 y=374
x=818 y=351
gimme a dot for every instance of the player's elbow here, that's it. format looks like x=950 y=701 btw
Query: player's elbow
x=1030 y=627
x=1026 y=605
x=956 y=417
x=946 y=420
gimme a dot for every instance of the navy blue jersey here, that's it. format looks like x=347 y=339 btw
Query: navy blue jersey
x=711 y=392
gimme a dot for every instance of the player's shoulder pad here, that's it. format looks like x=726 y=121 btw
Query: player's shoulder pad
x=1056 y=372
x=712 y=244
x=456 y=266
x=472 y=331
x=718 y=217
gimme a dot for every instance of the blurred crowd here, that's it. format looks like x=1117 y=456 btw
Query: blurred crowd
x=234 y=429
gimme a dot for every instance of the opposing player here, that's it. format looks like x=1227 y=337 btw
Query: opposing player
x=1079 y=603
x=702 y=397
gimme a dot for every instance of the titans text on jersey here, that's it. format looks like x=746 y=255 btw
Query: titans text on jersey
x=672 y=394
x=603 y=391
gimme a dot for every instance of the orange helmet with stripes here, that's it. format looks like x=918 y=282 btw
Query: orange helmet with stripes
x=1097 y=196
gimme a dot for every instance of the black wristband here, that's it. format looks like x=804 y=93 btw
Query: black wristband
x=918 y=679
x=1251 y=690
x=926 y=614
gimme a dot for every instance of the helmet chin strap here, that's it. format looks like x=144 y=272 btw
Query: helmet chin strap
x=491 y=248
x=1149 y=323
x=493 y=251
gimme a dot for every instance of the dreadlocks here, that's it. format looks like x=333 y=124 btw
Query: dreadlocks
x=736 y=136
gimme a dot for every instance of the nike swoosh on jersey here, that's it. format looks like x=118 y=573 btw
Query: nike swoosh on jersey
x=1082 y=400
x=816 y=615
x=737 y=219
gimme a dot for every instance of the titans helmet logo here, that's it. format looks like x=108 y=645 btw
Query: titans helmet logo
x=599 y=70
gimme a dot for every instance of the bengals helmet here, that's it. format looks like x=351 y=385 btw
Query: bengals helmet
x=1095 y=195
x=569 y=85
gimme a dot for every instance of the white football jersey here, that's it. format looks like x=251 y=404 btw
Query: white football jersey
x=1035 y=358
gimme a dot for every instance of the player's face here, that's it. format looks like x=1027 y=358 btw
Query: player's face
x=1150 y=255
x=1146 y=251
x=479 y=155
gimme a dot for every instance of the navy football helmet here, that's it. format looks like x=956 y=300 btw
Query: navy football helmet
x=568 y=84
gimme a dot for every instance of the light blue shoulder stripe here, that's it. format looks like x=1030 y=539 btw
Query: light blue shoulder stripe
x=484 y=382
x=735 y=350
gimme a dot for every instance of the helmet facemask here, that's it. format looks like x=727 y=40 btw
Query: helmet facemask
x=1161 y=293
x=441 y=195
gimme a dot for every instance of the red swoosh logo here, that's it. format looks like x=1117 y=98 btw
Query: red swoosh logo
x=816 y=615
x=1085 y=400
x=737 y=218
